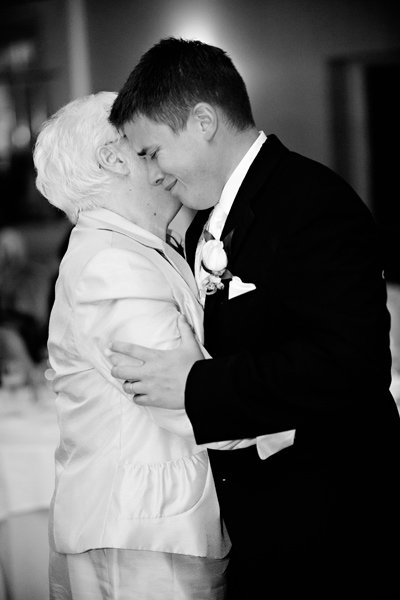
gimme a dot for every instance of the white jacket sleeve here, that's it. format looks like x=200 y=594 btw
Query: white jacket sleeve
x=121 y=295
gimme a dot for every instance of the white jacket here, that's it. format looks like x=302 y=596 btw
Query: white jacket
x=126 y=476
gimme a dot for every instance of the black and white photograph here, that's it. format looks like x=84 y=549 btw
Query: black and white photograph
x=199 y=300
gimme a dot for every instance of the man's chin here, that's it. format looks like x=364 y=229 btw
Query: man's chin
x=196 y=203
x=182 y=199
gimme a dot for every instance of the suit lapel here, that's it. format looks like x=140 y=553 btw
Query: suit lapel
x=241 y=215
x=237 y=226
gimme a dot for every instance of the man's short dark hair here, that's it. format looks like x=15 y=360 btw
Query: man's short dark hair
x=176 y=74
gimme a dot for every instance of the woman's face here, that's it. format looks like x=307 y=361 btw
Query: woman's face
x=156 y=201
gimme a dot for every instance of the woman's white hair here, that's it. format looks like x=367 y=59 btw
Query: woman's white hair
x=65 y=154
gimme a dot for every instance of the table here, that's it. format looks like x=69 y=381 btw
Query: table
x=28 y=438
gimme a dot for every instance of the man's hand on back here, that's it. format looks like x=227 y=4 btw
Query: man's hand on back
x=156 y=377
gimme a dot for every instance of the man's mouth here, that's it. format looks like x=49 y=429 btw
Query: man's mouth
x=170 y=186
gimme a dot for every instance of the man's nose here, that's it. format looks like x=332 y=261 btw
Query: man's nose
x=156 y=176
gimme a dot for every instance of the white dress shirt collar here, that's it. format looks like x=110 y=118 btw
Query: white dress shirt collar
x=234 y=182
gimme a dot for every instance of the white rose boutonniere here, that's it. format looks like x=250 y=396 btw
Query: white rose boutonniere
x=214 y=260
x=214 y=256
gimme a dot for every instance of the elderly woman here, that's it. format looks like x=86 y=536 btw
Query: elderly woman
x=134 y=512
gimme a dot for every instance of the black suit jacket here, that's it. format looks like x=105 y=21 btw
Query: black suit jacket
x=308 y=349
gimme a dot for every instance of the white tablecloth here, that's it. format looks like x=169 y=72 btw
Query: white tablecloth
x=28 y=438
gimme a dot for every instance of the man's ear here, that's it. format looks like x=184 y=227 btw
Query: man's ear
x=111 y=159
x=206 y=119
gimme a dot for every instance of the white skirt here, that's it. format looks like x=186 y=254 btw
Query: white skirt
x=114 y=574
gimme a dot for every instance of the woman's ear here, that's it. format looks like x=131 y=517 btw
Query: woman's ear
x=205 y=118
x=110 y=158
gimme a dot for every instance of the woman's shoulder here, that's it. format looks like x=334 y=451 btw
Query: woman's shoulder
x=120 y=272
x=106 y=250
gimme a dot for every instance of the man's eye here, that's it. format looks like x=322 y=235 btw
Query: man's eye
x=153 y=155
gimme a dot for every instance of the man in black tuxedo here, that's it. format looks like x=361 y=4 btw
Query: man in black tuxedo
x=297 y=326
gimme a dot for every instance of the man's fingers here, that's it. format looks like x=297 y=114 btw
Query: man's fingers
x=133 y=350
x=133 y=388
x=142 y=400
x=126 y=372
x=120 y=360
x=129 y=387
